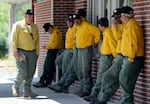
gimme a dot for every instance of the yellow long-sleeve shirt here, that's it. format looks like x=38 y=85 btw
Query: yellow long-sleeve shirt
x=21 y=37
x=55 y=41
x=117 y=33
x=70 y=38
x=109 y=43
x=132 y=40
x=86 y=35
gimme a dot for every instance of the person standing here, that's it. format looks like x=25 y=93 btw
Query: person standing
x=54 y=44
x=25 y=45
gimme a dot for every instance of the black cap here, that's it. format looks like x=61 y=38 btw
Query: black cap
x=46 y=26
x=29 y=12
x=70 y=18
x=76 y=16
x=117 y=12
x=127 y=10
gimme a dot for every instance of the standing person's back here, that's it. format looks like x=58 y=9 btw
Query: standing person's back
x=25 y=45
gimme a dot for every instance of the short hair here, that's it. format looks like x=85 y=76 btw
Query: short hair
x=46 y=26
x=82 y=12
x=103 y=22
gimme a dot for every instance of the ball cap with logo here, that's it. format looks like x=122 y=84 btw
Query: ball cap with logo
x=70 y=17
x=29 y=12
x=117 y=12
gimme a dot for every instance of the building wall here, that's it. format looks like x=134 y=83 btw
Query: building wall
x=42 y=16
x=80 y=4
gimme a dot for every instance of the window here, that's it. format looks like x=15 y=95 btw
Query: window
x=37 y=1
x=125 y=2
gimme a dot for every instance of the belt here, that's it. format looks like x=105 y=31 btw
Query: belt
x=25 y=50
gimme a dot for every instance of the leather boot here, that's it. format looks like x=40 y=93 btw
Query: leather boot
x=15 y=91
x=30 y=95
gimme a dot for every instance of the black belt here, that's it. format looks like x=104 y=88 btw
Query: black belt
x=25 y=50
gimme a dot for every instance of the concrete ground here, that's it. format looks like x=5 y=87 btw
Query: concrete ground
x=46 y=96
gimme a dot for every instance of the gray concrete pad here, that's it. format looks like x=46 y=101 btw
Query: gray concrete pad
x=46 y=96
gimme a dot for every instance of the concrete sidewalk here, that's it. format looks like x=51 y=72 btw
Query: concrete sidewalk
x=46 y=96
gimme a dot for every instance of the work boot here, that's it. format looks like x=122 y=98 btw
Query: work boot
x=39 y=84
x=90 y=98
x=56 y=88
x=15 y=91
x=82 y=94
x=29 y=95
x=65 y=89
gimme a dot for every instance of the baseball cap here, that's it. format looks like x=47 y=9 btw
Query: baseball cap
x=126 y=10
x=29 y=12
x=76 y=16
x=70 y=18
x=117 y=12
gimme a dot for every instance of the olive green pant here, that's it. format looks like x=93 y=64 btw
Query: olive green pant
x=110 y=80
x=26 y=70
x=104 y=64
x=128 y=77
x=63 y=60
x=83 y=70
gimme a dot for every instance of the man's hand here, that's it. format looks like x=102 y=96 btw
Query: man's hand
x=114 y=21
x=16 y=55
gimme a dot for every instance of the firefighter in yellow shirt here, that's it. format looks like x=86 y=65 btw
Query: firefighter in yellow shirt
x=86 y=36
x=64 y=60
x=108 y=53
x=25 y=45
x=132 y=49
x=54 y=44
x=110 y=80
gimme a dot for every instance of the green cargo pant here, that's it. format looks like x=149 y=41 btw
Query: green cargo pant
x=63 y=60
x=84 y=59
x=104 y=64
x=69 y=76
x=128 y=77
x=26 y=70
x=110 y=80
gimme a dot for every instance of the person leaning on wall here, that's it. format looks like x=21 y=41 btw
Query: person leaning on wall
x=132 y=50
x=53 y=46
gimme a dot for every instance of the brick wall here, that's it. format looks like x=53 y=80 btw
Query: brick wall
x=61 y=9
x=42 y=16
x=80 y=4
